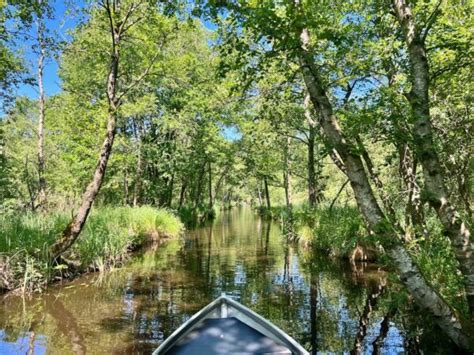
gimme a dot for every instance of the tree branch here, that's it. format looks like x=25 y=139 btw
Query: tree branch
x=140 y=78
x=337 y=195
x=431 y=20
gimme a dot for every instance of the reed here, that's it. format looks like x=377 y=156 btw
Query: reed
x=109 y=236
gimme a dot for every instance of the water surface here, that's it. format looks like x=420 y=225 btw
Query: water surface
x=327 y=306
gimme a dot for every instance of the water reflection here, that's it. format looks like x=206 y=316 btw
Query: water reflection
x=327 y=306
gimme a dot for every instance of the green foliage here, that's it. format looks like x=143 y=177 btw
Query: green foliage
x=435 y=257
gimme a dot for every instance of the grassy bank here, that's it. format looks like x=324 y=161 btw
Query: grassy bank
x=337 y=231
x=193 y=216
x=109 y=235
x=340 y=232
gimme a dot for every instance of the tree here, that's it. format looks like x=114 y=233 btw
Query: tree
x=435 y=190
x=286 y=29
x=41 y=42
x=122 y=18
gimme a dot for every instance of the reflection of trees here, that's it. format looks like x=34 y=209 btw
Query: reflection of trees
x=31 y=343
x=67 y=324
x=311 y=297
x=313 y=302
x=384 y=328
x=336 y=292
x=364 y=319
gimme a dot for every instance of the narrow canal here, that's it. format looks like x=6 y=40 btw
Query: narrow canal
x=328 y=306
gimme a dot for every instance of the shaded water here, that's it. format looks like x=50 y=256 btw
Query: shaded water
x=325 y=305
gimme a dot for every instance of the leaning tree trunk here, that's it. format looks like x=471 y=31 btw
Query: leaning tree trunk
x=74 y=228
x=410 y=274
x=41 y=106
x=435 y=189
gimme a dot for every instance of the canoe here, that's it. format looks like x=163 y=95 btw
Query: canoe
x=227 y=327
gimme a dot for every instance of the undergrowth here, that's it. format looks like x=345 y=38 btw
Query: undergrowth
x=107 y=239
x=336 y=231
x=339 y=230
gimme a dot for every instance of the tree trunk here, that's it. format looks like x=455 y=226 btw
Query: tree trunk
x=139 y=167
x=125 y=187
x=267 y=194
x=259 y=194
x=312 y=181
x=170 y=192
x=312 y=193
x=407 y=168
x=41 y=106
x=182 y=194
x=287 y=173
x=221 y=181
x=435 y=189
x=211 y=199
x=198 y=192
x=410 y=275
x=312 y=190
x=74 y=228
x=31 y=192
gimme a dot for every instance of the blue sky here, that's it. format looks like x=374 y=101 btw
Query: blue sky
x=66 y=17
x=59 y=25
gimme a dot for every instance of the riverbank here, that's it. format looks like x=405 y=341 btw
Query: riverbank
x=135 y=307
x=337 y=231
x=108 y=238
x=340 y=233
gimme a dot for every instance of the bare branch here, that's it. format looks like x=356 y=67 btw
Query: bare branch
x=337 y=195
x=123 y=28
x=141 y=77
x=297 y=138
x=431 y=20
x=111 y=23
x=126 y=28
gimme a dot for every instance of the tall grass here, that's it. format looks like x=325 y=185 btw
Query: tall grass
x=107 y=238
x=196 y=215
x=336 y=230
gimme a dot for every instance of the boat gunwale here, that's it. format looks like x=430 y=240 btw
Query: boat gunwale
x=187 y=326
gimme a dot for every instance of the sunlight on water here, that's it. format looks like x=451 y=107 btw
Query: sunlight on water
x=322 y=303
